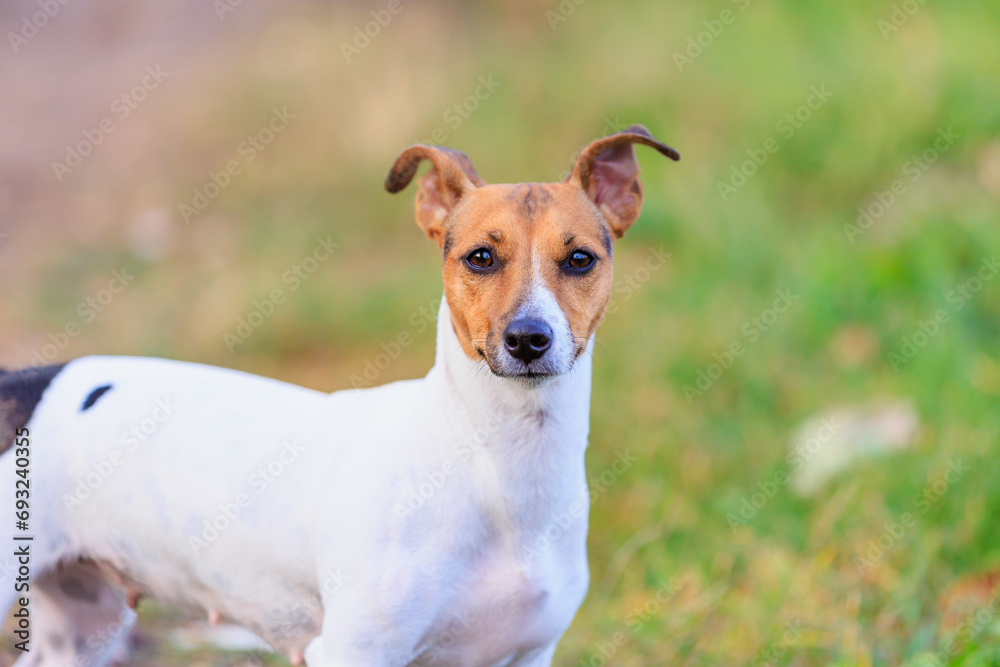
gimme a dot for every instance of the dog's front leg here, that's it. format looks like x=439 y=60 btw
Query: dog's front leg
x=333 y=651
x=318 y=656
x=541 y=658
x=360 y=629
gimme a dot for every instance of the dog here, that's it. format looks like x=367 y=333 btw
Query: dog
x=439 y=521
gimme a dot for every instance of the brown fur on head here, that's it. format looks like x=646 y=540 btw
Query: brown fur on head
x=528 y=259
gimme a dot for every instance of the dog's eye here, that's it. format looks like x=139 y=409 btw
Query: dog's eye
x=580 y=260
x=481 y=258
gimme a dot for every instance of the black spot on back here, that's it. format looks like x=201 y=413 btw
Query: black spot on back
x=93 y=396
x=20 y=392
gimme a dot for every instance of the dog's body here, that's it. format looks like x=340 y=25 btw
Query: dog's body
x=435 y=521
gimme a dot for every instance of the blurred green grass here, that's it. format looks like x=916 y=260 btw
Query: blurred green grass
x=606 y=66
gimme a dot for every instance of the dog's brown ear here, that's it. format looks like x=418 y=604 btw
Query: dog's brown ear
x=440 y=189
x=609 y=173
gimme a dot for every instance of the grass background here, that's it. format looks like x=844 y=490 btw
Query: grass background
x=569 y=73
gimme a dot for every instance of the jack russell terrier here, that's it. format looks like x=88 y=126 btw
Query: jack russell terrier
x=440 y=521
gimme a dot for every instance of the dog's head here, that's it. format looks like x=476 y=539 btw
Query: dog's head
x=527 y=267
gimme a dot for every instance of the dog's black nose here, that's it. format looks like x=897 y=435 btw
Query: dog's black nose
x=527 y=340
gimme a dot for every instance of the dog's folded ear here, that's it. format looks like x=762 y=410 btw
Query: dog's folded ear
x=609 y=173
x=451 y=176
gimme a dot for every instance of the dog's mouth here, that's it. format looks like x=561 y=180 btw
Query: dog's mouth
x=531 y=374
x=529 y=379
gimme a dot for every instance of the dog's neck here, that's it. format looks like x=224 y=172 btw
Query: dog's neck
x=535 y=438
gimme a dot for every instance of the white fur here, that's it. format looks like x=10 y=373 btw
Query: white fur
x=542 y=304
x=442 y=520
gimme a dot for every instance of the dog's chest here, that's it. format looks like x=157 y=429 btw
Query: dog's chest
x=507 y=608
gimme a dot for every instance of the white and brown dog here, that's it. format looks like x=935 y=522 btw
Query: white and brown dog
x=436 y=521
